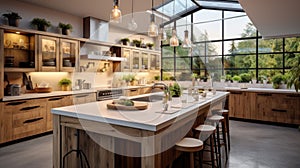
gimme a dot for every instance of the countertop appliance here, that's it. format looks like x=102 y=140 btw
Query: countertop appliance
x=108 y=94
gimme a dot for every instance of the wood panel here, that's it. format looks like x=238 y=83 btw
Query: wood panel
x=84 y=98
x=236 y=106
x=5 y=124
x=1 y=64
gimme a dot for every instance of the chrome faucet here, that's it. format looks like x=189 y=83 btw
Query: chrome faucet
x=166 y=90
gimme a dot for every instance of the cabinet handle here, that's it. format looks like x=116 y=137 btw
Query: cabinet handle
x=79 y=96
x=278 y=110
x=133 y=90
x=56 y=98
x=264 y=94
x=235 y=92
x=29 y=108
x=15 y=103
x=32 y=120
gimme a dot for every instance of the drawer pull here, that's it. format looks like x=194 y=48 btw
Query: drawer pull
x=133 y=90
x=56 y=98
x=29 y=108
x=235 y=92
x=32 y=120
x=79 y=96
x=264 y=94
x=278 y=110
x=15 y=103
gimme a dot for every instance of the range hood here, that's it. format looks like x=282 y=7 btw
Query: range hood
x=274 y=18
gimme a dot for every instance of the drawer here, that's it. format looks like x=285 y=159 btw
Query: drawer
x=24 y=105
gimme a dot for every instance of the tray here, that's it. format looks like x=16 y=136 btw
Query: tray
x=137 y=106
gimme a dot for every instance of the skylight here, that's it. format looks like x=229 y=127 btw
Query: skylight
x=231 y=5
x=180 y=6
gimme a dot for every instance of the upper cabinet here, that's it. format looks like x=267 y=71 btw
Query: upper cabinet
x=140 y=60
x=19 y=52
x=57 y=54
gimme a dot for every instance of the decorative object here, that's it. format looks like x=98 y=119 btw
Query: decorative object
x=13 y=18
x=116 y=15
x=125 y=41
x=129 y=79
x=277 y=80
x=236 y=79
x=153 y=29
x=66 y=28
x=186 y=41
x=137 y=43
x=174 y=42
x=175 y=90
x=41 y=24
x=150 y=45
x=132 y=26
x=65 y=84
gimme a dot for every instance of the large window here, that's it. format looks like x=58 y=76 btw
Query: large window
x=227 y=43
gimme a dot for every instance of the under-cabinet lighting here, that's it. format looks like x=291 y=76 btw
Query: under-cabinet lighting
x=18 y=32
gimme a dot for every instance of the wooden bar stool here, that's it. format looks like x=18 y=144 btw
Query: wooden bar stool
x=206 y=133
x=225 y=114
x=216 y=120
x=189 y=145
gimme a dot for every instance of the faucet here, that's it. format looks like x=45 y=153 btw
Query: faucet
x=166 y=90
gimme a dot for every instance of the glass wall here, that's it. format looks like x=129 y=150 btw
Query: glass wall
x=227 y=43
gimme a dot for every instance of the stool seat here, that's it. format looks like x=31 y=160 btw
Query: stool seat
x=216 y=118
x=220 y=111
x=205 y=128
x=189 y=145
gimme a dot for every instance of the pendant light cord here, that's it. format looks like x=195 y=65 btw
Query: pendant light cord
x=131 y=9
x=185 y=16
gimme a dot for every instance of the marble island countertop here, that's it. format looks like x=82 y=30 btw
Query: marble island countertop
x=153 y=118
x=268 y=90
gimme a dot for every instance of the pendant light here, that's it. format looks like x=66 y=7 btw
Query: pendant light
x=153 y=29
x=186 y=41
x=174 y=42
x=115 y=15
x=162 y=32
x=132 y=26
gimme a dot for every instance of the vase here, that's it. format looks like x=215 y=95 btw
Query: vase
x=65 y=87
x=13 y=22
x=66 y=32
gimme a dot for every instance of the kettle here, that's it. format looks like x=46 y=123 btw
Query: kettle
x=79 y=84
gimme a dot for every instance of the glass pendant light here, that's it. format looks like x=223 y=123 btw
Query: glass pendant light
x=162 y=32
x=115 y=15
x=132 y=26
x=174 y=42
x=186 y=41
x=153 y=29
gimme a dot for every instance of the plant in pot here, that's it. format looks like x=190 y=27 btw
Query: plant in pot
x=13 y=18
x=40 y=24
x=65 y=84
x=175 y=90
x=277 y=81
x=65 y=28
x=137 y=43
x=150 y=45
x=157 y=77
x=129 y=79
x=236 y=79
x=294 y=75
x=125 y=41
x=245 y=77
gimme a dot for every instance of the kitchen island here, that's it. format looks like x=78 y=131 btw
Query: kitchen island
x=115 y=138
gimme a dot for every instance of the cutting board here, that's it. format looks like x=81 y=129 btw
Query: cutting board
x=137 y=106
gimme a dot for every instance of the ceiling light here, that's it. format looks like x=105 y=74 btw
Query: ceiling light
x=153 y=29
x=186 y=41
x=116 y=15
x=174 y=42
x=132 y=26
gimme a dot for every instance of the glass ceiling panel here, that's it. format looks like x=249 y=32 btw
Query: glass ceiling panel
x=220 y=4
x=180 y=6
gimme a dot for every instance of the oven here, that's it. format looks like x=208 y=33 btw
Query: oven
x=108 y=94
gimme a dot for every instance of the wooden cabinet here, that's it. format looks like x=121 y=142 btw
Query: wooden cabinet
x=54 y=102
x=57 y=54
x=84 y=98
x=24 y=118
x=241 y=104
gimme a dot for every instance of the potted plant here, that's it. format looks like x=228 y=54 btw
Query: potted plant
x=41 y=24
x=157 y=77
x=65 y=84
x=277 y=81
x=294 y=76
x=65 y=28
x=137 y=43
x=150 y=45
x=125 y=41
x=13 y=18
x=245 y=77
x=236 y=79
x=175 y=90
x=129 y=79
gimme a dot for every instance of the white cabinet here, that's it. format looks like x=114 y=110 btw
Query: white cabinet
x=140 y=60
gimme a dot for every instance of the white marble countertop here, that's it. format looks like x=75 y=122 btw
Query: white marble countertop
x=268 y=90
x=64 y=93
x=151 y=119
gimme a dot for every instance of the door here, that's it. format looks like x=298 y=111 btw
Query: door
x=126 y=65
x=68 y=55
x=48 y=54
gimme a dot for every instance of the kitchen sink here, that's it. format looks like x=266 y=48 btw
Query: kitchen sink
x=149 y=98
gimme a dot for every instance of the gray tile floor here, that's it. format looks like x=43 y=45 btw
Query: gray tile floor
x=252 y=146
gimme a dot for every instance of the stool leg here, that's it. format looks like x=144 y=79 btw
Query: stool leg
x=212 y=152
x=224 y=138
x=191 y=160
x=219 y=145
x=227 y=129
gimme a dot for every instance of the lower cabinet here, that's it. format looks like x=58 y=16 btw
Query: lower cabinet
x=272 y=107
x=83 y=98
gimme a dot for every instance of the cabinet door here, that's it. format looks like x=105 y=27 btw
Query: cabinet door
x=264 y=107
x=135 y=60
x=293 y=108
x=84 y=98
x=154 y=61
x=19 y=52
x=144 y=61
x=126 y=65
x=1 y=65
x=68 y=55
x=236 y=104
x=48 y=54
x=5 y=124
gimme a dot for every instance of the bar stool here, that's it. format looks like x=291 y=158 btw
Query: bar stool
x=207 y=133
x=225 y=114
x=216 y=120
x=189 y=145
